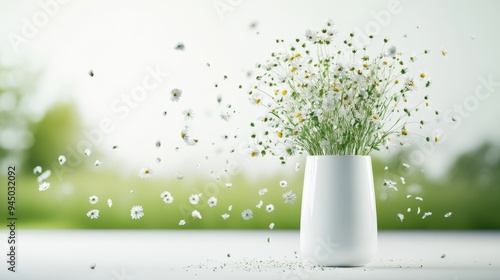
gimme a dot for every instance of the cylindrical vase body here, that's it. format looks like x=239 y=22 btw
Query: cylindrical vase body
x=338 y=225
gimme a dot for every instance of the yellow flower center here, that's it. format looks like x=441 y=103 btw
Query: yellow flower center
x=293 y=69
x=404 y=132
x=284 y=92
x=422 y=75
x=298 y=114
x=280 y=134
x=254 y=154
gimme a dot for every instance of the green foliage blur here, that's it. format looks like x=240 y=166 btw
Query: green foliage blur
x=470 y=190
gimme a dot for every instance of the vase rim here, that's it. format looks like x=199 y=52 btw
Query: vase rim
x=346 y=156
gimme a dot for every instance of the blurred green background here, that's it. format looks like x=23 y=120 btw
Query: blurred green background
x=48 y=98
x=469 y=189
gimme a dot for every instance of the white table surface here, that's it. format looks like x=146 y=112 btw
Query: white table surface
x=188 y=254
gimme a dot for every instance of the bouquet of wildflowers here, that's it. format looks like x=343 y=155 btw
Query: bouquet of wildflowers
x=325 y=96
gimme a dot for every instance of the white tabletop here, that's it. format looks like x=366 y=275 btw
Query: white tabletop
x=204 y=254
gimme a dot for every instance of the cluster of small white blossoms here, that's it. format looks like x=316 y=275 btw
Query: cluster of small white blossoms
x=94 y=213
x=43 y=176
x=391 y=185
x=325 y=96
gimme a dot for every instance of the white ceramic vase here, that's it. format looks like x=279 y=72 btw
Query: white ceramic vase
x=338 y=225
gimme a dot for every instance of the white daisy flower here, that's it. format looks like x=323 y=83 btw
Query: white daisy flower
x=263 y=191
x=93 y=214
x=136 y=212
x=386 y=168
x=225 y=216
x=110 y=202
x=289 y=197
x=310 y=35
x=185 y=136
x=194 y=199
x=87 y=152
x=196 y=214
x=230 y=208
x=271 y=226
x=164 y=194
x=62 y=159
x=175 y=94
x=182 y=222
x=43 y=186
x=447 y=215
x=188 y=114
x=97 y=162
x=228 y=185
x=247 y=214
x=401 y=217
x=330 y=22
x=37 y=170
x=283 y=184
x=403 y=181
x=167 y=197
x=93 y=199
x=260 y=204
x=270 y=208
x=146 y=173
x=408 y=210
x=212 y=201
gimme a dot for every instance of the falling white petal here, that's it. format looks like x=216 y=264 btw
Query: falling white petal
x=401 y=217
x=260 y=204
x=196 y=214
